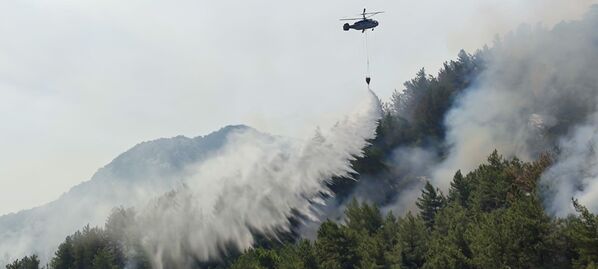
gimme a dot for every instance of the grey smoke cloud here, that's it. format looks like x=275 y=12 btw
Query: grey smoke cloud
x=539 y=92
x=575 y=174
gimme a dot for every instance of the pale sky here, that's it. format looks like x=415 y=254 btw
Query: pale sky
x=82 y=81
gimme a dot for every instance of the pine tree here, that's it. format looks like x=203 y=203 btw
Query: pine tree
x=413 y=242
x=448 y=248
x=429 y=203
x=514 y=237
x=459 y=190
x=308 y=254
x=363 y=217
x=492 y=183
x=336 y=248
x=64 y=257
x=104 y=260
x=584 y=233
x=27 y=262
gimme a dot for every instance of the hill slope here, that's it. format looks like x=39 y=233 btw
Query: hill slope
x=145 y=171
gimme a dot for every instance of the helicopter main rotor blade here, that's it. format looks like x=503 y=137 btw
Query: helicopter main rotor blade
x=370 y=13
x=363 y=15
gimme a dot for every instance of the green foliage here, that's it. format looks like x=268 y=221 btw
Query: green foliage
x=300 y=255
x=511 y=237
x=413 y=242
x=363 y=217
x=88 y=248
x=460 y=190
x=336 y=247
x=64 y=257
x=28 y=262
x=110 y=247
x=583 y=231
x=448 y=247
x=430 y=203
x=492 y=218
x=104 y=259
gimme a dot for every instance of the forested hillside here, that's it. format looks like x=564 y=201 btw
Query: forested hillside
x=499 y=213
x=491 y=218
x=412 y=117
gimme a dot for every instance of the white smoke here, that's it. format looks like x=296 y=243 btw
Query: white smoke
x=575 y=174
x=254 y=184
x=540 y=91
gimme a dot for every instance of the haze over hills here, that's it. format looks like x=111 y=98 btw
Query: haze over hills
x=531 y=98
x=145 y=171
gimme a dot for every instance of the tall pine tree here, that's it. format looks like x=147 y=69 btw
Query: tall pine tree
x=429 y=204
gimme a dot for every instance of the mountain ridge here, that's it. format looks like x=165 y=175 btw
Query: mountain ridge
x=147 y=169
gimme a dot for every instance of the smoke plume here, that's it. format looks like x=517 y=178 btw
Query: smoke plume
x=575 y=174
x=539 y=93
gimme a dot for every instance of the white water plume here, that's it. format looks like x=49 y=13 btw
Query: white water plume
x=254 y=184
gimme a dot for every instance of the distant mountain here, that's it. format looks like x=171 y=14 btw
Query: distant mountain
x=145 y=171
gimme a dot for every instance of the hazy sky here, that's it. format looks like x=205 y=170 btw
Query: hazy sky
x=82 y=81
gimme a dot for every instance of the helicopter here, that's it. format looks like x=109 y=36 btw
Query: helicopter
x=362 y=23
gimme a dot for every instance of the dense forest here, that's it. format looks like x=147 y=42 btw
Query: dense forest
x=490 y=217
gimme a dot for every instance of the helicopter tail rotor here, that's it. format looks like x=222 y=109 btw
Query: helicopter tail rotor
x=346 y=27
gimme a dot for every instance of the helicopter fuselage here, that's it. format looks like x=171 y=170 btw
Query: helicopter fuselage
x=361 y=25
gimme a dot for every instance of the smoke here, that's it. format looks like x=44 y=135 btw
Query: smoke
x=254 y=184
x=413 y=165
x=575 y=174
x=539 y=93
